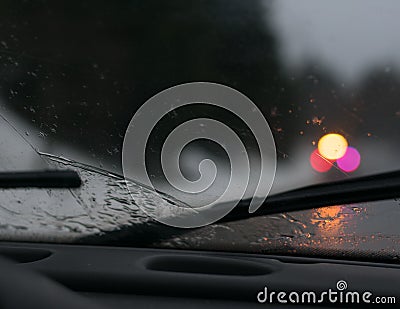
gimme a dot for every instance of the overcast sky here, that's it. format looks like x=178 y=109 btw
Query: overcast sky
x=348 y=36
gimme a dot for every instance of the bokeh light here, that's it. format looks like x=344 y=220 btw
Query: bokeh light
x=319 y=163
x=332 y=146
x=350 y=161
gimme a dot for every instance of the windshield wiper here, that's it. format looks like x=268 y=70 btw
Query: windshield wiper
x=40 y=179
x=356 y=190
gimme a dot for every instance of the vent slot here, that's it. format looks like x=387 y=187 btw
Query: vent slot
x=209 y=266
x=24 y=255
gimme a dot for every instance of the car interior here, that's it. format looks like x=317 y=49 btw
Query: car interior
x=199 y=154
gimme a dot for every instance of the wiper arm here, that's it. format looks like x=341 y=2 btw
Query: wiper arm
x=40 y=179
x=356 y=190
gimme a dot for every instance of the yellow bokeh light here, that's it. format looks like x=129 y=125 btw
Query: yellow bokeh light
x=332 y=146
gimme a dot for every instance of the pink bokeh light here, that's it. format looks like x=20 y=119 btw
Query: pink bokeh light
x=350 y=161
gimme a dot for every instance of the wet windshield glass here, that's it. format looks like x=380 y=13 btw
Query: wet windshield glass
x=72 y=76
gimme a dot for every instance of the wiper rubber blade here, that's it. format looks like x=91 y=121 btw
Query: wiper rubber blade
x=40 y=179
x=355 y=190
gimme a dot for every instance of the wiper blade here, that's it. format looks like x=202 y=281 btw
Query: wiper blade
x=356 y=190
x=40 y=179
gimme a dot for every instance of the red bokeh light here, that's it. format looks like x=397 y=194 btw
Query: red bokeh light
x=319 y=163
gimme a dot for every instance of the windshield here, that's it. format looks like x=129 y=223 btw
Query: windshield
x=73 y=74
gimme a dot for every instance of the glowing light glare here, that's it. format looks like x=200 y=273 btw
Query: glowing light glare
x=350 y=161
x=332 y=146
x=319 y=163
